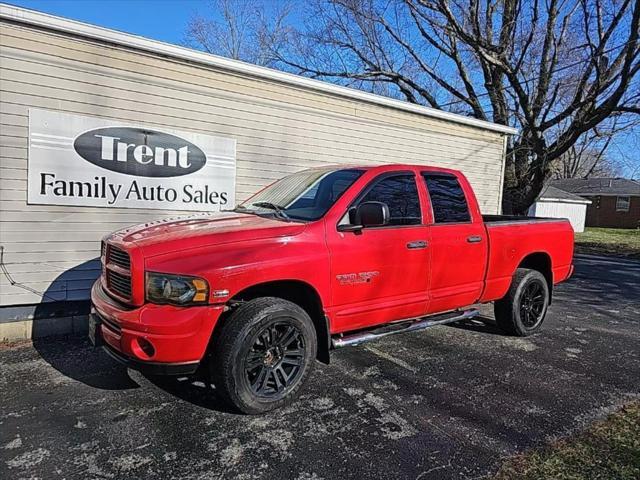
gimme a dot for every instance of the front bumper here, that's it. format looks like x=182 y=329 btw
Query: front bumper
x=152 y=368
x=161 y=338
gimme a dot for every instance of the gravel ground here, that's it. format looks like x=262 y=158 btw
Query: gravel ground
x=448 y=402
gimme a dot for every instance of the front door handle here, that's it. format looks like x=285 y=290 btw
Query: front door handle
x=474 y=239
x=417 y=244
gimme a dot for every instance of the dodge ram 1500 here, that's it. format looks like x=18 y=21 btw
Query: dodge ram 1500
x=321 y=259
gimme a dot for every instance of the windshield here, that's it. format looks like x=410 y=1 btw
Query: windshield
x=303 y=196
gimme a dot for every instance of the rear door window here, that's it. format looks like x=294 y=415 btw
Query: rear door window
x=447 y=198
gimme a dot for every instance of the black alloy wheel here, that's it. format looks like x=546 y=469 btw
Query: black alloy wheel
x=532 y=304
x=522 y=310
x=262 y=354
x=274 y=362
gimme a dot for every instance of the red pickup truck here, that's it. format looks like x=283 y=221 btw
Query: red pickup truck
x=321 y=259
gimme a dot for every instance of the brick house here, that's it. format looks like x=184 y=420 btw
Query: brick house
x=615 y=202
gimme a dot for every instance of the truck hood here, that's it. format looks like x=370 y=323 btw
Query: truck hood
x=200 y=230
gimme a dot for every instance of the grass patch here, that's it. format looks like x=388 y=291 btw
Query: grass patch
x=608 y=450
x=609 y=241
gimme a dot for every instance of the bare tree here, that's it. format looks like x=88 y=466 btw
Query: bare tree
x=578 y=162
x=556 y=69
x=590 y=155
x=240 y=29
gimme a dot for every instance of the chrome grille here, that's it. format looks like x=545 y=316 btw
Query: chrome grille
x=119 y=284
x=118 y=257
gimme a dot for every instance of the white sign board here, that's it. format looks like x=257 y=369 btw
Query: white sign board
x=93 y=162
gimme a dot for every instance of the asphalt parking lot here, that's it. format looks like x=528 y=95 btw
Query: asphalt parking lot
x=448 y=402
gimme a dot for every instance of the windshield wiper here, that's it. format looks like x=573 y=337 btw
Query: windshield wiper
x=272 y=206
x=240 y=209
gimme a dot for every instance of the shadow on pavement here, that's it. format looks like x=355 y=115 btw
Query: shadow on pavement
x=71 y=355
x=75 y=357
x=195 y=390
x=601 y=281
x=482 y=324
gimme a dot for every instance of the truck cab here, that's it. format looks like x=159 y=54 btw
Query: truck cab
x=323 y=258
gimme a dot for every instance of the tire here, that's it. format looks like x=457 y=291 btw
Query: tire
x=263 y=355
x=524 y=307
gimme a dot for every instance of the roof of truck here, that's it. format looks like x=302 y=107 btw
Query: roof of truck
x=387 y=166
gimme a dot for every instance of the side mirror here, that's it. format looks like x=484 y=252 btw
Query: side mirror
x=372 y=214
x=368 y=214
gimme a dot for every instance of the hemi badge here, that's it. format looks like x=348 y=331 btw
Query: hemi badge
x=221 y=293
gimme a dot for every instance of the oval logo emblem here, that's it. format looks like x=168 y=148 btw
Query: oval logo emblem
x=139 y=151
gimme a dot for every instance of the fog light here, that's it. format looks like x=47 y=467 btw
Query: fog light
x=143 y=348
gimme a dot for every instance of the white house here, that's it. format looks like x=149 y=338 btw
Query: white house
x=556 y=203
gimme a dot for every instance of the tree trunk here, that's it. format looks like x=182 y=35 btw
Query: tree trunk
x=525 y=175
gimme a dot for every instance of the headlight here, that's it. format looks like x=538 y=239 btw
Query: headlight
x=176 y=289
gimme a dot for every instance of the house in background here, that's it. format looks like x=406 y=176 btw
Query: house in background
x=615 y=202
x=555 y=203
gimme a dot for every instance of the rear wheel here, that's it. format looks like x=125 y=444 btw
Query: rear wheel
x=524 y=307
x=263 y=355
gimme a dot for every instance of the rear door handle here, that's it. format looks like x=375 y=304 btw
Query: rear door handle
x=417 y=244
x=474 y=239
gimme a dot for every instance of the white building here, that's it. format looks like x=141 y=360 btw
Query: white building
x=556 y=203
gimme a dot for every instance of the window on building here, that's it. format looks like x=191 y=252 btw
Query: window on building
x=400 y=193
x=447 y=198
x=622 y=204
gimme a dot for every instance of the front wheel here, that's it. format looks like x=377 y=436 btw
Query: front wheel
x=263 y=355
x=522 y=310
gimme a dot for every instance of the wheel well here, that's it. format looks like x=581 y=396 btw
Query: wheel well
x=542 y=263
x=303 y=295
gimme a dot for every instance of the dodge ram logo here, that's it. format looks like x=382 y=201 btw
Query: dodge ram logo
x=356 y=278
x=138 y=151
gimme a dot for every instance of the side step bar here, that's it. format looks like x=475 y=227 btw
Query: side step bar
x=402 y=326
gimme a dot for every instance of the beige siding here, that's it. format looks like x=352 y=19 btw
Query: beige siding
x=279 y=128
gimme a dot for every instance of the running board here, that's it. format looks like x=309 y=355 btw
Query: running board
x=410 y=325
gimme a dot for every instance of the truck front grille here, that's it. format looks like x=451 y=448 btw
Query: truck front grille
x=117 y=271
x=119 y=284
x=118 y=257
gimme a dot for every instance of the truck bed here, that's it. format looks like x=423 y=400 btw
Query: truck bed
x=546 y=243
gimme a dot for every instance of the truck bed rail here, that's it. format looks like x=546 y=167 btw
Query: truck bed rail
x=499 y=220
